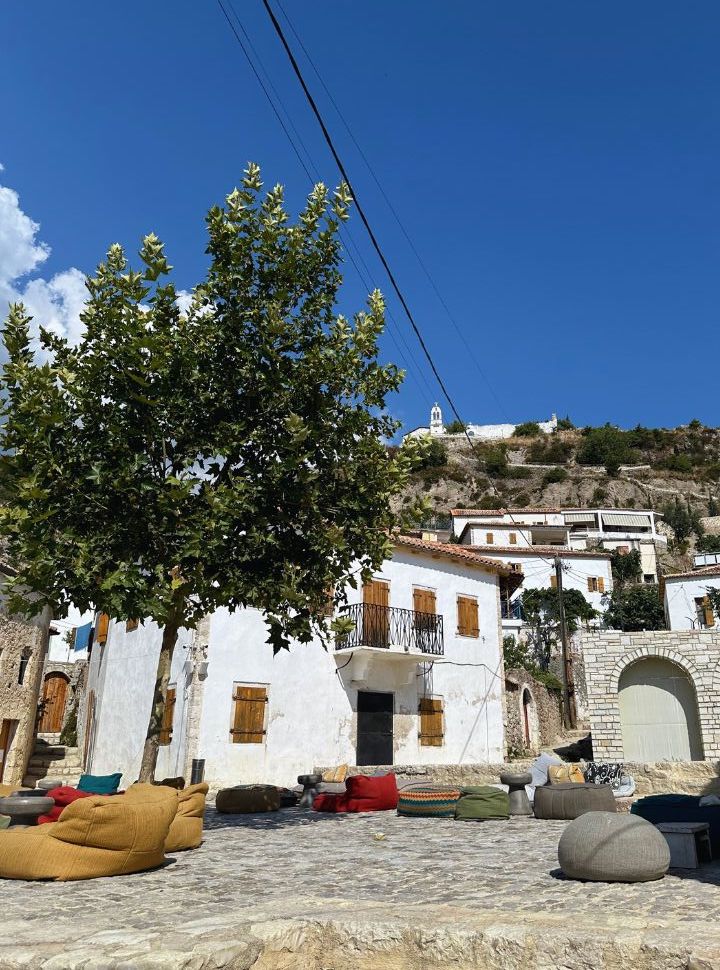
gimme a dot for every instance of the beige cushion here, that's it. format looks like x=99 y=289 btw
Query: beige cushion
x=562 y=774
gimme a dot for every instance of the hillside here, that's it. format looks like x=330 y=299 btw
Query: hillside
x=642 y=468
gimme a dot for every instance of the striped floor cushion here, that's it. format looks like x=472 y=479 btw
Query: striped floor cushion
x=424 y=802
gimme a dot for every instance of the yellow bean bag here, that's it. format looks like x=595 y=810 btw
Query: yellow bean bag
x=187 y=827
x=96 y=836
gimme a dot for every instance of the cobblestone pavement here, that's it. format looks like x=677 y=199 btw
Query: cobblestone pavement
x=319 y=892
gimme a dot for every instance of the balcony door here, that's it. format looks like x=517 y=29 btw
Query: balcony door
x=376 y=613
x=425 y=609
x=374 y=728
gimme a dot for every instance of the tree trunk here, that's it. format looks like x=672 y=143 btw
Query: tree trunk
x=150 y=751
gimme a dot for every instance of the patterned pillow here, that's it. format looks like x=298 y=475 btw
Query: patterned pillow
x=424 y=802
x=602 y=773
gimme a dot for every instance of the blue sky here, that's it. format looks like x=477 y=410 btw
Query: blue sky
x=556 y=166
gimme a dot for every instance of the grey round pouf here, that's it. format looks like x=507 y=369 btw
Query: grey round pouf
x=607 y=847
x=23 y=810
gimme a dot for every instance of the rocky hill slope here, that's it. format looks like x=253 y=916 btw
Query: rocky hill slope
x=605 y=466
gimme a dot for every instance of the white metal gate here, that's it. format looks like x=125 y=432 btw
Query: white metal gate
x=658 y=713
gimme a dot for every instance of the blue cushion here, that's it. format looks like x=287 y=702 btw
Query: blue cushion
x=680 y=808
x=100 y=784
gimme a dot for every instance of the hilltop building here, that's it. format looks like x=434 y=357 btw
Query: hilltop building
x=484 y=432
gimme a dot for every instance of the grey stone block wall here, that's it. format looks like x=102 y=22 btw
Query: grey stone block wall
x=608 y=653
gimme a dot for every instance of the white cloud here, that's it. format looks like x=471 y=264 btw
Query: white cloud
x=55 y=303
x=183 y=299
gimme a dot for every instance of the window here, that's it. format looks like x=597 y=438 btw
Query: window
x=489 y=538
x=553 y=582
x=424 y=600
x=101 y=628
x=704 y=611
x=430 y=710
x=131 y=625
x=649 y=578
x=467 y=609
x=596 y=584
x=623 y=550
x=166 y=728
x=250 y=706
x=513 y=538
x=22 y=669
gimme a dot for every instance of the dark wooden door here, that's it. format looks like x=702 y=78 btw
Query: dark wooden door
x=374 y=728
x=53 y=709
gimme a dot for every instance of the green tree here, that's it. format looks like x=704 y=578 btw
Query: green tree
x=553 y=475
x=529 y=429
x=626 y=566
x=541 y=608
x=683 y=519
x=708 y=543
x=565 y=424
x=171 y=464
x=455 y=427
x=604 y=446
x=634 y=608
x=434 y=454
x=496 y=462
x=713 y=508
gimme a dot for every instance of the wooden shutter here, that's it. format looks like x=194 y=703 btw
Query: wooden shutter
x=101 y=628
x=468 y=625
x=708 y=612
x=431 y=721
x=131 y=625
x=249 y=715
x=489 y=538
x=513 y=538
x=553 y=582
x=424 y=601
x=166 y=727
x=592 y=584
x=601 y=585
x=376 y=593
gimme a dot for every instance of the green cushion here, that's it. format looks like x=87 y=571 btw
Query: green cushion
x=4 y=821
x=100 y=784
x=481 y=802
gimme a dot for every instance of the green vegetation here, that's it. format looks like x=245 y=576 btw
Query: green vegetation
x=518 y=654
x=455 y=427
x=683 y=520
x=518 y=472
x=69 y=735
x=529 y=429
x=541 y=608
x=708 y=543
x=549 y=451
x=626 y=566
x=565 y=424
x=634 y=608
x=495 y=462
x=171 y=463
x=553 y=475
x=606 y=446
x=434 y=454
x=599 y=495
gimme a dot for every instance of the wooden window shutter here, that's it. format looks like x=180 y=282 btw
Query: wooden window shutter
x=166 y=728
x=601 y=584
x=376 y=593
x=468 y=625
x=708 y=612
x=424 y=601
x=101 y=628
x=249 y=715
x=431 y=721
x=489 y=538
x=553 y=582
x=513 y=538
x=131 y=625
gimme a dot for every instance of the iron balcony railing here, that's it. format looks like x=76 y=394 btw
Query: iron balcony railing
x=387 y=626
x=512 y=610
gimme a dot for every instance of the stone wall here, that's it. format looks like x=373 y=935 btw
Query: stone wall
x=608 y=653
x=21 y=644
x=544 y=712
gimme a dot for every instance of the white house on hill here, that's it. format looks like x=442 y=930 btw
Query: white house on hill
x=418 y=681
x=486 y=432
x=687 y=606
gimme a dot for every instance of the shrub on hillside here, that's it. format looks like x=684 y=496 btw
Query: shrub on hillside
x=553 y=475
x=708 y=543
x=606 y=446
x=528 y=429
x=549 y=451
x=565 y=424
x=599 y=496
x=455 y=427
x=518 y=471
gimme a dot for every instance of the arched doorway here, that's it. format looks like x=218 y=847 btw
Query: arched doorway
x=658 y=712
x=526 y=713
x=53 y=703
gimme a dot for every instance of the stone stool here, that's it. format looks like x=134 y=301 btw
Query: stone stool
x=519 y=803
x=689 y=843
x=309 y=783
x=23 y=810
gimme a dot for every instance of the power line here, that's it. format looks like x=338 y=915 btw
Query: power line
x=365 y=281
x=395 y=214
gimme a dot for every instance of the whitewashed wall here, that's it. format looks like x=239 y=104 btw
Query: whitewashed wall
x=500 y=536
x=312 y=703
x=680 y=597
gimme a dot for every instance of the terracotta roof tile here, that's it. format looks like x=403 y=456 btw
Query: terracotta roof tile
x=544 y=551
x=502 y=511
x=703 y=571
x=454 y=551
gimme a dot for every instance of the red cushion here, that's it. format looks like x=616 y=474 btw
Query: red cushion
x=363 y=794
x=63 y=796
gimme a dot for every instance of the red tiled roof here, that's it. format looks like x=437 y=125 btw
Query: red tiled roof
x=545 y=551
x=454 y=551
x=703 y=571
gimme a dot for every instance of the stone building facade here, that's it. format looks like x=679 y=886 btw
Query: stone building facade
x=533 y=716
x=23 y=645
x=656 y=693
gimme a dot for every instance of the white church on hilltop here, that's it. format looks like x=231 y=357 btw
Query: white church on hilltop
x=487 y=432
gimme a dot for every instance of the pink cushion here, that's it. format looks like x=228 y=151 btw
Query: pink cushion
x=363 y=794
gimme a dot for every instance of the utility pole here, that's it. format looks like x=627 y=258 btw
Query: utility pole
x=569 y=712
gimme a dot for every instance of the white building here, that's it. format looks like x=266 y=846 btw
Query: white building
x=687 y=606
x=69 y=637
x=485 y=432
x=419 y=681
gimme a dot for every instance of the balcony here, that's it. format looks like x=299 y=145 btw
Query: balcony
x=390 y=629
x=512 y=610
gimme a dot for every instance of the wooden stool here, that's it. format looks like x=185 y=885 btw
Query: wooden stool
x=689 y=843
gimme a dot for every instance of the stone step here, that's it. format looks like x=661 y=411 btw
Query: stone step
x=54 y=751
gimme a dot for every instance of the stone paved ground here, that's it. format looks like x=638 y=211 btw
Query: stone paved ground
x=302 y=891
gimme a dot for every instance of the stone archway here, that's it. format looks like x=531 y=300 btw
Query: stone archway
x=54 y=698
x=659 y=716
